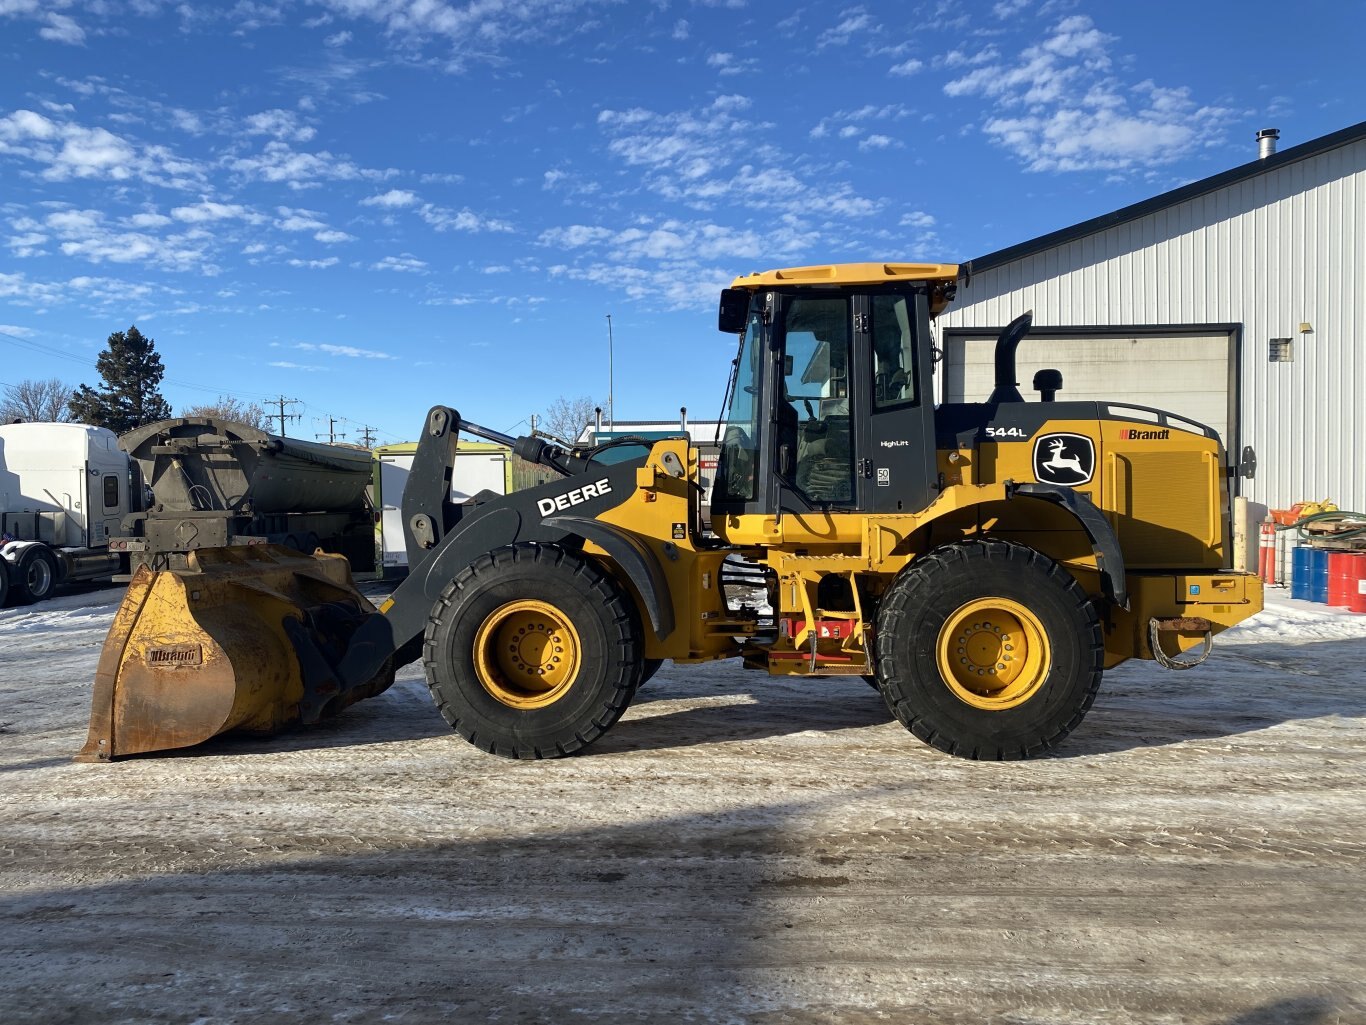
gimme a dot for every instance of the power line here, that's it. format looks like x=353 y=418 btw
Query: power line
x=332 y=434
x=282 y=416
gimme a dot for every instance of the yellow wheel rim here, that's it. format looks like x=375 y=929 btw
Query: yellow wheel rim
x=993 y=653
x=526 y=654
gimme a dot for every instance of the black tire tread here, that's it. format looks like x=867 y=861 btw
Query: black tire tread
x=592 y=579
x=19 y=579
x=902 y=596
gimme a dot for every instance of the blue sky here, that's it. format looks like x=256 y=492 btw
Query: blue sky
x=372 y=206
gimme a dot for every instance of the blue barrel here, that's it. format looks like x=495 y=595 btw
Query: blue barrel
x=1300 y=584
x=1318 y=574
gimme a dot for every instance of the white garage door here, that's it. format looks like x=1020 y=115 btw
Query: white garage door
x=1187 y=373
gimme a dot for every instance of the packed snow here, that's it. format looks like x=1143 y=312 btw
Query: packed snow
x=736 y=849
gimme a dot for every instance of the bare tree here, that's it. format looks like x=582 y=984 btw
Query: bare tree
x=566 y=418
x=225 y=407
x=36 y=402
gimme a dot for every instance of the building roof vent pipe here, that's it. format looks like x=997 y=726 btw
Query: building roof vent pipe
x=1266 y=142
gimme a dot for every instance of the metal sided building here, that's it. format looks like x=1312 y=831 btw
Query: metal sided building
x=1238 y=301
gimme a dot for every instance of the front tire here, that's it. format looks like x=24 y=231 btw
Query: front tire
x=988 y=650
x=532 y=652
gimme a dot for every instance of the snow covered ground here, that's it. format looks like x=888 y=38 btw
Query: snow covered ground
x=737 y=849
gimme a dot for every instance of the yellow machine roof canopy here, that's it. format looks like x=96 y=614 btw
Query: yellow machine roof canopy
x=850 y=274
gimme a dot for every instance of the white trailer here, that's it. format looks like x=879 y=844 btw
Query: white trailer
x=479 y=466
x=64 y=490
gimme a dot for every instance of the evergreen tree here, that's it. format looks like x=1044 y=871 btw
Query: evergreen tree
x=129 y=397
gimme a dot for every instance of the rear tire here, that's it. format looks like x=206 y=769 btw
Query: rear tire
x=35 y=575
x=988 y=650
x=532 y=652
x=4 y=583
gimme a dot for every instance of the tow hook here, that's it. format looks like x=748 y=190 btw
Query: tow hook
x=1180 y=624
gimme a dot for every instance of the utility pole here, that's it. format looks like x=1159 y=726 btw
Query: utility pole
x=533 y=425
x=282 y=416
x=332 y=434
x=367 y=436
x=611 y=418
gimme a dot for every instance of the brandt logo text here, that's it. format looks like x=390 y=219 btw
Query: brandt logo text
x=1132 y=435
x=179 y=655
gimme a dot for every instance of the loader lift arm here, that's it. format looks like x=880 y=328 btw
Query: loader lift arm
x=444 y=538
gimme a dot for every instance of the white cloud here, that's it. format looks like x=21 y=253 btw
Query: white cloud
x=55 y=27
x=689 y=157
x=285 y=364
x=277 y=162
x=85 y=234
x=207 y=210
x=392 y=199
x=1059 y=107
x=410 y=264
x=877 y=142
x=73 y=151
x=575 y=236
x=729 y=64
x=349 y=351
x=279 y=124
x=330 y=261
x=460 y=220
x=479 y=30
x=15 y=331
x=332 y=236
x=909 y=67
x=917 y=219
x=298 y=220
x=28 y=245
x=853 y=22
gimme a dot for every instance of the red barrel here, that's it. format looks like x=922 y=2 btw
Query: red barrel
x=1356 y=593
x=1340 y=581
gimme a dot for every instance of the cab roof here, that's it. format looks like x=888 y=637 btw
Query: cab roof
x=837 y=274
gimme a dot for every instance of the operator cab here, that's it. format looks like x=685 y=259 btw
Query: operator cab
x=830 y=407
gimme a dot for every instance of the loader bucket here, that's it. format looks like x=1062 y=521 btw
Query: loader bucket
x=244 y=639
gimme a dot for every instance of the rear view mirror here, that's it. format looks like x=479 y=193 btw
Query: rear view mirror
x=734 y=311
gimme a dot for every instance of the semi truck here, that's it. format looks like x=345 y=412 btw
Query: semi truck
x=64 y=491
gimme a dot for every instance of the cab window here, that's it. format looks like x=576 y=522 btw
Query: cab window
x=814 y=409
x=894 y=355
x=111 y=491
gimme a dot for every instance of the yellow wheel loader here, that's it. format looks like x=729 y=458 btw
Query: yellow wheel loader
x=980 y=564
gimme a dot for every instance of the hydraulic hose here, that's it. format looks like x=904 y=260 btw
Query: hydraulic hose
x=1301 y=525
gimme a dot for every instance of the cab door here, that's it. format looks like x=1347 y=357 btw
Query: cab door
x=814 y=458
x=899 y=468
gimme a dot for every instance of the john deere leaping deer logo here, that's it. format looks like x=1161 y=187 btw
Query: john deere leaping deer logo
x=1068 y=459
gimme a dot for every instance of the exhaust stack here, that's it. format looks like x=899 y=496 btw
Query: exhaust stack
x=1266 y=142
x=1007 y=387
